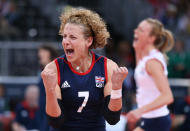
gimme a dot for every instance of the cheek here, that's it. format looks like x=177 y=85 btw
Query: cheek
x=79 y=48
x=79 y=45
x=63 y=43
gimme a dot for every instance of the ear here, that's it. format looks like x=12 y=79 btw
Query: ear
x=152 y=39
x=89 y=41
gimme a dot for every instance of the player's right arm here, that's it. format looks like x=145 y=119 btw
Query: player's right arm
x=53 y=94
x=113 y=92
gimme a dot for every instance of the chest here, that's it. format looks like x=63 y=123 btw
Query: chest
x=82 y=90
x=140 y=71
x=142 y=78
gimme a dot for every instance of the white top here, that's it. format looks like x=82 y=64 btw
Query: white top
x=120 y=126
x=146 y=87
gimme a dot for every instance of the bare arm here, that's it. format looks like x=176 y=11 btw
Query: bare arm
x=116 y=76
x=155 y=69
x=49 y=76
x=112 y=92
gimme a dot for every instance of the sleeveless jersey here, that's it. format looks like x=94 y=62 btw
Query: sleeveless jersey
x=82 y=94
x=146 y=87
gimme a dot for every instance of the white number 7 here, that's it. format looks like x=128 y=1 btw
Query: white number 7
x=84 y=94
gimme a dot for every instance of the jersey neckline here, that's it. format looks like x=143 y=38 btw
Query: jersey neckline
x=88 y=71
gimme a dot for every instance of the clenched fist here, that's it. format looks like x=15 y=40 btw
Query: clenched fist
x=118 y=76
x=49 y=79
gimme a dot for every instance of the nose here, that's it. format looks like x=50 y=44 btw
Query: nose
x=135 y=30
x=65 y=42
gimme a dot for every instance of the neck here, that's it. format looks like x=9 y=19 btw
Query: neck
x=140 y=53
x=83 y=64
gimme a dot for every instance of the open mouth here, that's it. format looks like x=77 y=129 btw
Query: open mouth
x=135 y=38
x=69 y=52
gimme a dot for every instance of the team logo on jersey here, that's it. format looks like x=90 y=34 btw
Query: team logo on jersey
x=99 y=81
x=142 y=123
x=65 y=85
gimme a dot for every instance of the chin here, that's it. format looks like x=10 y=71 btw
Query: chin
x=134 y=45
x=70 y=59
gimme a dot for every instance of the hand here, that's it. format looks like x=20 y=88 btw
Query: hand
x=134 y=116
x=49 y=79
x=118 y=76
x=18 y=127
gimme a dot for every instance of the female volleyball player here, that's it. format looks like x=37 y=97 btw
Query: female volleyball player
x=83 y=89
x=151 y=42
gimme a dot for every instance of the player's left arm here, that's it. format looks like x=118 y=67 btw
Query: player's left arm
x=156 y=71
x=113 y=92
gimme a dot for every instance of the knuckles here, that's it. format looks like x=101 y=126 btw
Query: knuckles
x=120 y=71
x=47 y=73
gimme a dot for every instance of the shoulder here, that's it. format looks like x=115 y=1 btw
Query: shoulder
x=154 y=66
x=111 y=65
x=155 y=59
x=51 y=66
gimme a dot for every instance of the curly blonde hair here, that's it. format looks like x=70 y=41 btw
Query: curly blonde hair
x=93 y=25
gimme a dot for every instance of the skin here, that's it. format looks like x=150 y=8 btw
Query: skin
x=44 y=57
x=32 y=95
x=143 y=44
x=74 y=39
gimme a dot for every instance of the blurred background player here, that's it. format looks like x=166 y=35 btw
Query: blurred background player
x=83 y=89
x=27 y=112
x=151 y=42
x=46 y=54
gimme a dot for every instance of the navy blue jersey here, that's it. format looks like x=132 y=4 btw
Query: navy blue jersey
x=82 y=94
x=27 y=116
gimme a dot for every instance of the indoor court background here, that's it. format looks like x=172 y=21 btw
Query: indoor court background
x=25 y=25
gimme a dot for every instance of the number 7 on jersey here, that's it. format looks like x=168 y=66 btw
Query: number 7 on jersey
x=84 y=94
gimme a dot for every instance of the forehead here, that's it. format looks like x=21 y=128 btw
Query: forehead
x=145 y=25
x=43 y=50
x=73 y=28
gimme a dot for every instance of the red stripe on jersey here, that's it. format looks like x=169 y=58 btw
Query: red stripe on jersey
x=64 y=60
x=88 y=71
x=105 y=68
x=58 y=72
x=98 y=58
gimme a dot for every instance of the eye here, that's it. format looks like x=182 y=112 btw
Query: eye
x=64 y=35
x=73 y=37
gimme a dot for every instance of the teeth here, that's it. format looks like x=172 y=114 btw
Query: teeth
x=69 y=51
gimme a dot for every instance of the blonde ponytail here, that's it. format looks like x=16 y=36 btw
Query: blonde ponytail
x=164 y=39
x=167 y=41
